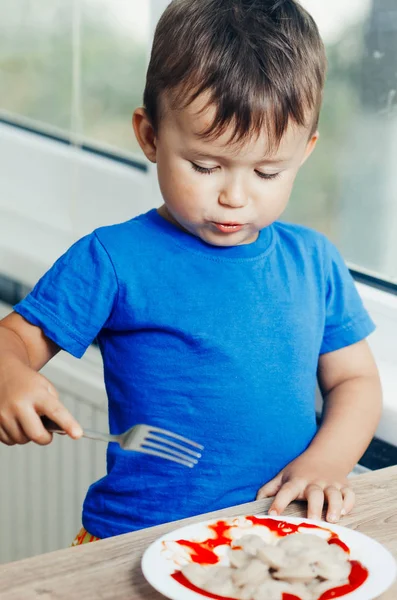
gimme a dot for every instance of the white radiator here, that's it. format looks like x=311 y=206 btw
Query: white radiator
x=42 y=488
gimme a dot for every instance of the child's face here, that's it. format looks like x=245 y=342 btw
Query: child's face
x=220 y=192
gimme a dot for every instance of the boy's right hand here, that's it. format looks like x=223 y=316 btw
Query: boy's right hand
x=25 y=396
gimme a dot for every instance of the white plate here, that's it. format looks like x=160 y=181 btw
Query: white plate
x=165 y=556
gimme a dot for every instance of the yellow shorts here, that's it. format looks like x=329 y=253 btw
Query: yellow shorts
x=83 y=537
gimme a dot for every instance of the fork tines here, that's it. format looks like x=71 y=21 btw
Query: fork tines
x=155 y=443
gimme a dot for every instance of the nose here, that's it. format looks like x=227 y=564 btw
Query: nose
x=233 y=195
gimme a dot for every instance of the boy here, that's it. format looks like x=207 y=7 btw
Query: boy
x=213 y=318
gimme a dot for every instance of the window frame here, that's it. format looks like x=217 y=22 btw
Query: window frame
x=48 y=133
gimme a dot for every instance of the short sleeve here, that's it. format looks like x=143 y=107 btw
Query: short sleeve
x=74 y=300
x=347 y=321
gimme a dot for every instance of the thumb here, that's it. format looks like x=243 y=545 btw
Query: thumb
x=271 y=488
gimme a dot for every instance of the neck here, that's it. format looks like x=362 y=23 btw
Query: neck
x=165 y=213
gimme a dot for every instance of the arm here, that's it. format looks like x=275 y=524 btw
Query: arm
x=25 y=394
x=350 y=384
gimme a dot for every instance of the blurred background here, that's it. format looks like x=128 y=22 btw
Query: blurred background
x=76 y=69
x=71 y=73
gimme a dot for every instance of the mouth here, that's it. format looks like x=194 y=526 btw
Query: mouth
x=228 y=227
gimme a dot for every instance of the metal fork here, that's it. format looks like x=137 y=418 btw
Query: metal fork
x=146 y=439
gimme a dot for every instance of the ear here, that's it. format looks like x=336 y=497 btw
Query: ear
x=311 y=144
x=144 y=133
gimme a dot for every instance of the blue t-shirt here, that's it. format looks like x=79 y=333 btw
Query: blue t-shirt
x=220 y=345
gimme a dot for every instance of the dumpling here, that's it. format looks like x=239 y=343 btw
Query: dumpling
x=254 y=573
x=250 y=544
x=318 y=588
x=295 y=543
x=273 y=556
x=247 y=592
x=238 y=558
x=296 y=572
x=197 y=574
x=271 y=590
x=328 y=568
x=220 y=582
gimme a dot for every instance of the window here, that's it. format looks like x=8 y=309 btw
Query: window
x=348 y=188
x=74 y=68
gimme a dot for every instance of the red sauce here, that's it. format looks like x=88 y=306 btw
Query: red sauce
x=203 y=553
x=358 y=575
x=186 y=583
x=282 y=529
x=337 y=542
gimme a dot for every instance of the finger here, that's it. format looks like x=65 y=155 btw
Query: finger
x=15 y=432
x=53 y=409
x=34 y=428
x=289 y=492
x=315 y=501
x=5 y=438
x=334 y=500
x=23 y=438
x=270 y=489
x=349 y=500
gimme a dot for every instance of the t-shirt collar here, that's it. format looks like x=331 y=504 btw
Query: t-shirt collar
x=261 y=245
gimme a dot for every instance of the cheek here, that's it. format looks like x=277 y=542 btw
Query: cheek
x=284 y=188
x=177 y=185
x=275 y=199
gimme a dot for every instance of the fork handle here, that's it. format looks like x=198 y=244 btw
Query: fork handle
x=98 y=435
x=88 y=433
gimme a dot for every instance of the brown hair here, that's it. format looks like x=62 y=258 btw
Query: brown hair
x=262 y=63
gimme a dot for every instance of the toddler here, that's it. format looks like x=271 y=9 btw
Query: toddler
x=214 y=319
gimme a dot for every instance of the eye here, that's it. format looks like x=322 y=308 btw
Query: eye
x=202 y=170
x=267 y=175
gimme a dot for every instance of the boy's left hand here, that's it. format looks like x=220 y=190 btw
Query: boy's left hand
x=317 y=482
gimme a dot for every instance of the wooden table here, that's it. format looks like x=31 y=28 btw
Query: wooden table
x=110 y=569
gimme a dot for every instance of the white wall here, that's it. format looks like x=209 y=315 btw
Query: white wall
x=52 y=193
